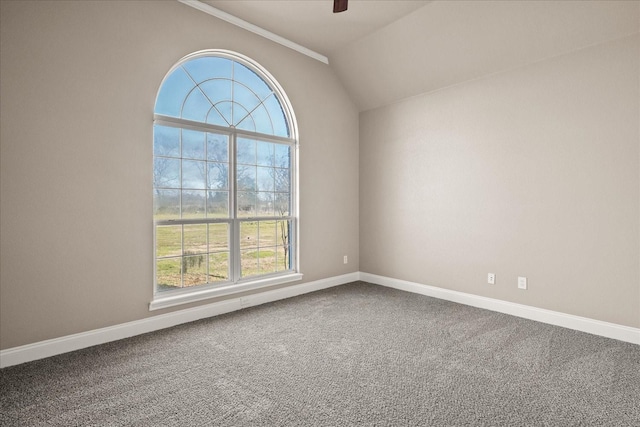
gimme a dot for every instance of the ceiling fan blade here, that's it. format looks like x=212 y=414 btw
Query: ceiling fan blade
x=339 y=5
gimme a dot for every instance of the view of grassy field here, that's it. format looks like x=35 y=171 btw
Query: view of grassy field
x=194 y=254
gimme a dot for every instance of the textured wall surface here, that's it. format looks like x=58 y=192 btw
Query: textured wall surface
x=532 y=172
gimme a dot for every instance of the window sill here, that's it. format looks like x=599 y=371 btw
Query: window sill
x=164 y=301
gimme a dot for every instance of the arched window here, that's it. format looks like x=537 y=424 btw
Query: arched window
x=224 y=179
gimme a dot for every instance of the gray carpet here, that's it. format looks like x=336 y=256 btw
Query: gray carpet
x=357 y=354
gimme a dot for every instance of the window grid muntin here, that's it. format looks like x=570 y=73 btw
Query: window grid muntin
x=233 y=81
x=276 y=246
x=159 y=119
x=261 y=100
x=252 y=66
x=181 y=188
x=235 y=266
x=238 y=220
x=290 y=139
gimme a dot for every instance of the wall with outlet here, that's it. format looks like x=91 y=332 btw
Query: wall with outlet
x=532 y=172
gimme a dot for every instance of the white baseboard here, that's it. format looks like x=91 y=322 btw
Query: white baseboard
x=52 y=347
x=583 y=324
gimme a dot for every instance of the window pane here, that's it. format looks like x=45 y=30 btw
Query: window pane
x=218 y=237
x=244 y=97
x=265 y=204
x=262 y=120
x=168 y=274
x=218 y=204
x=217 y=90
x=251 y=79
x=240 y=112
x=277 y=116
x=259 y=246
x=196 y=106
x=192 y=144
x=195 y=238
x=224 y=109
x=248 y=234
x=246 y=178
x=166 y=204
x=194 y=174
x=281 y=204
x=283 y=228
x=174 y=90
x=267 y=261
x=265 y=178
x=268 y=233
x=217 y=176
x=168 y=240
x=217 y=148
x=284 y=246
x=246 y=204
x=214 y=117
x=193 y=204
x=283 y=258
x=282 y=155
x=249 y=262
x=246 y=151
x=282 y=181
x=247 y=123
x=166 y=141
x=194 y=270
x=265 y=153
x=219 y=267
x=166 y=172
x=206 y=67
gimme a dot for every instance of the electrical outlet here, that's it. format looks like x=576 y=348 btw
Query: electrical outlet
x=522 y=282
x=346 y=260
x=491 y=279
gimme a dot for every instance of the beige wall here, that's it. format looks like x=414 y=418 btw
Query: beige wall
x=531 y=172
x=79 y=81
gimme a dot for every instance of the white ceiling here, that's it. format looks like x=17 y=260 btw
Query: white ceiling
x=312 y=23
x=385 y=51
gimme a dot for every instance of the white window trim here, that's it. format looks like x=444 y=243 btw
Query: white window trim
x=168 y=299
x=175 y=298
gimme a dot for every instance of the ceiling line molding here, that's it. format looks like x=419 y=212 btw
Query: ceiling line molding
x=203 y=7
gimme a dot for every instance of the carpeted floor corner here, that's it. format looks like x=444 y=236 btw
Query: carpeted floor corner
x=357 y=354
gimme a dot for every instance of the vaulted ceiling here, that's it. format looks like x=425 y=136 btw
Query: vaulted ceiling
x=312 y=23
x=385 y=51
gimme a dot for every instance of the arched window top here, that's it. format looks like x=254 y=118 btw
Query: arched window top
x=224 y=180
x=225 y=89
